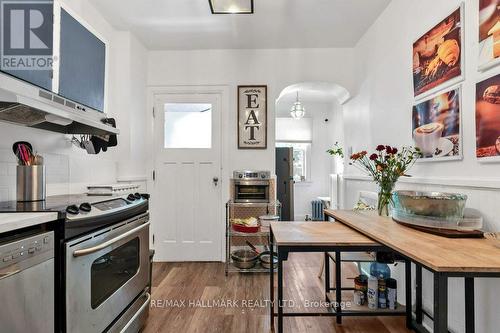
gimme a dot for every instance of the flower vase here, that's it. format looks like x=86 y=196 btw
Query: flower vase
x=384 y=200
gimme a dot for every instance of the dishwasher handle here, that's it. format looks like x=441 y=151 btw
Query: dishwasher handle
x=6 y=275
x=93 y=249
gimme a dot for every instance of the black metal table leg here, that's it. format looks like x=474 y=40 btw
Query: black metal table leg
x=408 y=287
x=418 y=294
x=338 y=286
x=280 y=292
x=469 y=305
x=440 y=303
x=271 y=279
x=327 y=275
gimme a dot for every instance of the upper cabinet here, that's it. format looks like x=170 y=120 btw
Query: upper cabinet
x=20 y=49
x=79 y=67
x=82 y=65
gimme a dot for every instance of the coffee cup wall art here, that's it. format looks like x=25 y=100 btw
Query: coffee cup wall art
x=437 y=127
x=489 y=33
x=488 y=119
x=437 y=56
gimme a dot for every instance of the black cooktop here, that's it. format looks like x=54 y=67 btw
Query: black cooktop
x=55 y=203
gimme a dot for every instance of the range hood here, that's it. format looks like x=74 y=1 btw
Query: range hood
x=26 y=105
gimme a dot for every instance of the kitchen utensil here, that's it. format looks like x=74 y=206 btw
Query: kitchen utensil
x=15 y=146
x=31 y=184
x=244 y=259
x=24 y=152
x=245 y=229
x=265 y=257
x=253 y=247
x=265 y=260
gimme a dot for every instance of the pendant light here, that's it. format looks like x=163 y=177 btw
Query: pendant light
x=298 y=111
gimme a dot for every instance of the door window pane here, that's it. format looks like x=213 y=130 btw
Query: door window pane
x=113 y=270
x=188 y=125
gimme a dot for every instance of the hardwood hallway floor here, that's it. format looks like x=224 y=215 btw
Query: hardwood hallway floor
x=197 y=297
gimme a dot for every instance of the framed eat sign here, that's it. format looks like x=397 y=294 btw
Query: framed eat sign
x=252 y=117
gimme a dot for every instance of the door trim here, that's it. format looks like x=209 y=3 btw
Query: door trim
x=224 y=92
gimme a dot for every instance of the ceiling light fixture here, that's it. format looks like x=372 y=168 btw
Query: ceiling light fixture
x=298 y=111
x=231 y=6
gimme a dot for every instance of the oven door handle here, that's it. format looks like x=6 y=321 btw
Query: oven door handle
x=93 y=249
x=137 y=314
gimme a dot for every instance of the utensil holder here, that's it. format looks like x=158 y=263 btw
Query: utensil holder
x=31 y=184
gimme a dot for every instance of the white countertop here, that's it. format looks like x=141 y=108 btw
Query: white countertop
x=14 y=221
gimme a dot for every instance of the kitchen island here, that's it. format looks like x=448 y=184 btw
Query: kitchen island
x=444 y=257
x=288 y=237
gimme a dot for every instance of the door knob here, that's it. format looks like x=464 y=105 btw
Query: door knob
x=215 y=180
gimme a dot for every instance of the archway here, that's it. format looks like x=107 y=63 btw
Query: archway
x=303 y=167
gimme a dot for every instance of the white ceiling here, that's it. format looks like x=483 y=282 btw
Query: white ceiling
x=189 y=24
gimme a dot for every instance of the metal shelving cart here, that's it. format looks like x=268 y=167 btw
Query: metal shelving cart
x=237 y=240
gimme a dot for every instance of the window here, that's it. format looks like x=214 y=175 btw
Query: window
x=301 y=154
x=188 y=125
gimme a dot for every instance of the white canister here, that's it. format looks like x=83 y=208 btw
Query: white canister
x=265 y=220
x=372 y=293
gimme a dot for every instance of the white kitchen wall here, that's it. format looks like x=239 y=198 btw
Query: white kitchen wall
x=70 y=169
x=380 y=113
x=277 y=68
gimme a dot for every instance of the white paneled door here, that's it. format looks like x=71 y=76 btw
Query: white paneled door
x=186 y=206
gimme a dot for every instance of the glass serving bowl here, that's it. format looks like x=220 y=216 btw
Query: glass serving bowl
x=472 y=220
x=447 y=206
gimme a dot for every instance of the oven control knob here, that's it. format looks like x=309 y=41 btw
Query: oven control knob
x=137 y=195
x=85 y=207
x=73 y=209
x=263 y=176
x=131 y=197
x=240 y=176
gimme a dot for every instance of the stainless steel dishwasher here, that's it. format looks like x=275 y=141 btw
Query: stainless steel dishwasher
x=27 y=283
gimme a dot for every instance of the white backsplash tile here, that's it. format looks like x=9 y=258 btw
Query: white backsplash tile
x=69 y=172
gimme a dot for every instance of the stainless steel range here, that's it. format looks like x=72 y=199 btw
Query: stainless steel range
x=107 y=269
x=102 y=254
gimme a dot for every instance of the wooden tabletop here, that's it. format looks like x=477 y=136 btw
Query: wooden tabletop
x=438 y=253
x=317 y=233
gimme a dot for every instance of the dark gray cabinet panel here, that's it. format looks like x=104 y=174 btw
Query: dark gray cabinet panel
x=39 y=77
x=284 y=182
x=82 y=64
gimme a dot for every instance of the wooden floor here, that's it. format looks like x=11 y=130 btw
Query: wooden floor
x=183 y=293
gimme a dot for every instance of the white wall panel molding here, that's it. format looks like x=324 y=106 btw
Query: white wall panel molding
x=476 y=183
